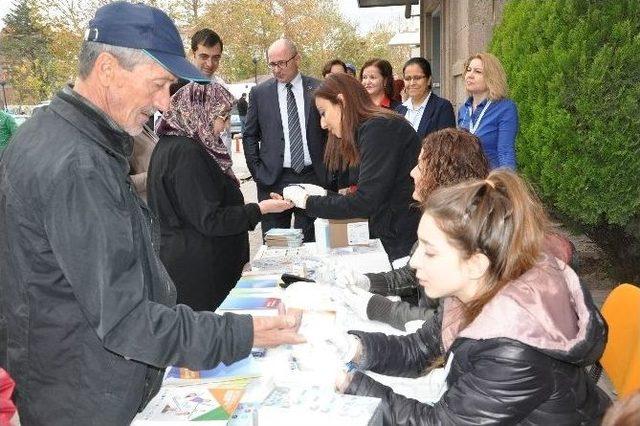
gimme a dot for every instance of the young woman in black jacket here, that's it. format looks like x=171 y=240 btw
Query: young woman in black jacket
x=384 y=147
x=515 y=328
x=193 y=191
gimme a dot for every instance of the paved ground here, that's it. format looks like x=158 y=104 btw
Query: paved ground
x=248 y=190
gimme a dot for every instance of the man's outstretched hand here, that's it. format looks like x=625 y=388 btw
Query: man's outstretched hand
x=269 y=332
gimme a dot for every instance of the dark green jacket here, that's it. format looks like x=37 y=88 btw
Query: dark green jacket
x=8 y=127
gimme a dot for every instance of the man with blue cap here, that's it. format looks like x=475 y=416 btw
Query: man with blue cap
x=90 y=310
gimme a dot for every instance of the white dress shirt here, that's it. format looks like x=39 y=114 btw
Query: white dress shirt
x=298 y=94
x=414 y=113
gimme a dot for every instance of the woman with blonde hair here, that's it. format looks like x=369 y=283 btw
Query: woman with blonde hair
x=488 y=113
x=515 y=328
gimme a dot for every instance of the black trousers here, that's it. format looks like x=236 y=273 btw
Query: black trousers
x=283 y=220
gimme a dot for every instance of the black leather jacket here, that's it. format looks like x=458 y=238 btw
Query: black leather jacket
x=497 y=377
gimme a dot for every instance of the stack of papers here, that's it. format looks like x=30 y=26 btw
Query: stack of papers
x=280 y=260
x=283 y=237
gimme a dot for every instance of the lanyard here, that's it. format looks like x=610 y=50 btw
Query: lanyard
x=473 y=128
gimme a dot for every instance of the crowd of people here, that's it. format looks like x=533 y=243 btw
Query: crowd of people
x=120 y=236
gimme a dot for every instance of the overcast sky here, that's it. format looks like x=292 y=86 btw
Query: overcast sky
x=366 y=18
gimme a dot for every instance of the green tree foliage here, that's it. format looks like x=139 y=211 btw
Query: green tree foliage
x=573 y=70
x=248 y=27
x=41 y=40
x=25 y=47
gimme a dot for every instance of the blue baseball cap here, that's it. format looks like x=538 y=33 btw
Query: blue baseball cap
x=139 y=26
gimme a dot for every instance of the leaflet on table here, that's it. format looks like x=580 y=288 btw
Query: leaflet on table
x=243 y=369
x=259 y=281
x=294 y=261
x=317 y=406
x=251 y=304
x=207 y=404
x=258 y=285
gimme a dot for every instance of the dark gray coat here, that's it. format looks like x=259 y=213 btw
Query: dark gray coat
x=88 y=304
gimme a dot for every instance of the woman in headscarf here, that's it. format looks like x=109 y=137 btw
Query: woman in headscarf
x=197 y=197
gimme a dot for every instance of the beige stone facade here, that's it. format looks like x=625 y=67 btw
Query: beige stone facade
x=451 y=31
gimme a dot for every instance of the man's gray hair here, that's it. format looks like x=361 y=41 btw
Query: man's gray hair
x=126 y=56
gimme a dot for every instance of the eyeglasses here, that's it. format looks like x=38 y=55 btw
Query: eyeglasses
x=281 y=64
x=415 y=78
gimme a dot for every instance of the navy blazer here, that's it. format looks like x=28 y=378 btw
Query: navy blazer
x=438 y=114
x=263 y=136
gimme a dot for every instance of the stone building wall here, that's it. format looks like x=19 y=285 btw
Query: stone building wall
x=452 y=30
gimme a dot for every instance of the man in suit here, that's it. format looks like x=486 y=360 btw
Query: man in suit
x=283 y=141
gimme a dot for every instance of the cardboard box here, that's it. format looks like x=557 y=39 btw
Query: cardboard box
x=332 y=233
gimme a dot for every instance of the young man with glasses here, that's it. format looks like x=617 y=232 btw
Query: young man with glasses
x=283 y=141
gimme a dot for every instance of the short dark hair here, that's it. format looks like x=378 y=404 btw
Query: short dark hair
x=206 y=37
x=422 y=63
x=326 y=69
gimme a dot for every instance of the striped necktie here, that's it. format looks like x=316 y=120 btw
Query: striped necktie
x=295 y=134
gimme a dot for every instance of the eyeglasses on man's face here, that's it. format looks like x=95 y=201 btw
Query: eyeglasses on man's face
x=416 y=78
x=281 y=64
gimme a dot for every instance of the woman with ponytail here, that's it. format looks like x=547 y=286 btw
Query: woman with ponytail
x=515 y=328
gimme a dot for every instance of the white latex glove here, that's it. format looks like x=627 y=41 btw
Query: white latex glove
x=296 y=194
x=357 y=300
x=413 y=326
x=349 y=278
x=314 y=189
x=347 y=346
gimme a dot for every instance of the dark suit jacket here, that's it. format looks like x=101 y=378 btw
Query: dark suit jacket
x=438 y=114
x=263 y=137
